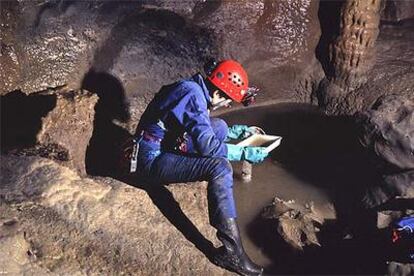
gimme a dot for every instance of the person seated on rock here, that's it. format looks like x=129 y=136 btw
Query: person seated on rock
x=179 y=142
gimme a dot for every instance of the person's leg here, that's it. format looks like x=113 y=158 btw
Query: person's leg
x=173 y=168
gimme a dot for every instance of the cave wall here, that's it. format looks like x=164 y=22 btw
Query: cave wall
x=145 y=44
x=396 y=11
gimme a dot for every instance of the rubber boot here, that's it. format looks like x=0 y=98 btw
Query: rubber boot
x=231 y=255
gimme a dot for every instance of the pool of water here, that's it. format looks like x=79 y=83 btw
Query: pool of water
x=319 y=160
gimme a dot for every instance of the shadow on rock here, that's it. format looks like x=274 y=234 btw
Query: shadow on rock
x=323 y=151
x=107 y=137
x=170 y=208
x=105 y=145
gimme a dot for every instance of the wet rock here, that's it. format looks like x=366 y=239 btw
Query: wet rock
x=77 y=225
x=147 y=44
x=67 y=129
x=388 y=129
x=352 y=52
x=47 y=43
x=296 y=223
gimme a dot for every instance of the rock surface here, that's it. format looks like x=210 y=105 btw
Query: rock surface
x=388 y=130
x=297 y=224
x=53 y=221
x=392 y=71
x=70 y=125
x=385 y=99
x=145 y=45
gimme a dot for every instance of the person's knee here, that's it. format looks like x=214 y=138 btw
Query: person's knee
x=220 y=128
x=221 y=167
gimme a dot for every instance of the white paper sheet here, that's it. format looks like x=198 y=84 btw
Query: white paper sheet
x=262 y=140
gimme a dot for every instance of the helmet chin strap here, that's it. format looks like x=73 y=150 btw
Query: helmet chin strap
x=221 y=104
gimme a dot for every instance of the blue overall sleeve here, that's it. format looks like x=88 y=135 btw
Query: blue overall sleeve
x=192 y=113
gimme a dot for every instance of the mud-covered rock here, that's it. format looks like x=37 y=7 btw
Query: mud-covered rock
x=74 y=225
x=387 y=131
x=297 y=224
x=46 y=43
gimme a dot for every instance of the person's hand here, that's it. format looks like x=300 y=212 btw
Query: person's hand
x=255 y=130
x=254 y=154
x=243 y=131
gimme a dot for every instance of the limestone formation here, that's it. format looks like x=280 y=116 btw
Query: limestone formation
x=352 y=53
x=54 y=219
x=69 y=126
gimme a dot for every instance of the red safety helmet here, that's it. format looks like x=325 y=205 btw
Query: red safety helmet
x=230 y=77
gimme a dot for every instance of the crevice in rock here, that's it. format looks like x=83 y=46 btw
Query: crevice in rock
x=21 y=118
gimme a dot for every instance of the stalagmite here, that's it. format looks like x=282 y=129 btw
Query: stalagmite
x=352 y=52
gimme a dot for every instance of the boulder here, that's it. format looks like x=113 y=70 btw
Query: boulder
x=387 y=131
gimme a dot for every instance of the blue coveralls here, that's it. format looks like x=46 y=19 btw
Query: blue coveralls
x=175 y=109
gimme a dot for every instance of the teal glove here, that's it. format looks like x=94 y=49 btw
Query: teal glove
x=250 y=154
x=242 y=131
x=255 y=154
x=238 y=132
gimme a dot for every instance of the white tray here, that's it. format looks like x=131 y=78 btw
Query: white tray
x=262 y=140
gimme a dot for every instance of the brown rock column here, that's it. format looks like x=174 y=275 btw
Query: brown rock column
x=352 y=52
x=70 y=125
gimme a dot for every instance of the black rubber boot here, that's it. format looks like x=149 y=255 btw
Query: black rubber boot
x=231 y=255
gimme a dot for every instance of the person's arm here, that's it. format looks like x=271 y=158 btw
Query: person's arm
x=192 y=113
